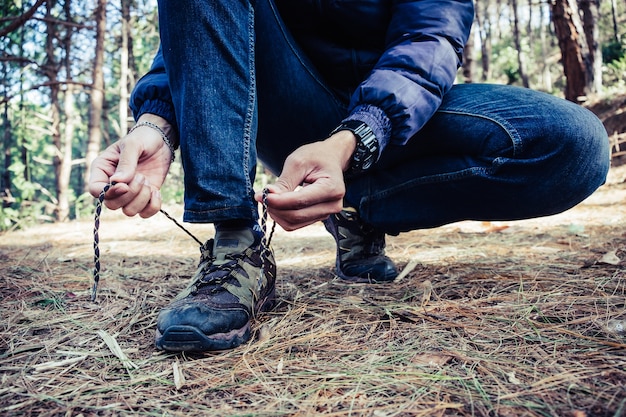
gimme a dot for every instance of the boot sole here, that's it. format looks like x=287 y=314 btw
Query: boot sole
x=361 y=280
x=352 y=278
x=184 y=338
x=180 y=338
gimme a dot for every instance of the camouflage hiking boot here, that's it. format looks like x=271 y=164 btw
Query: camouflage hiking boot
x=360 y=249
x=234 y=281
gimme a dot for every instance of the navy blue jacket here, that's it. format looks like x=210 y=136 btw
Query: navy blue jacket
x=397 y=58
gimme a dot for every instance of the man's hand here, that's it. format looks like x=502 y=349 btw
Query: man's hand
x=138 y=164
x=311 y=186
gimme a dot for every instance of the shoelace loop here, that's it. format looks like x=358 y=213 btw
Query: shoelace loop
x=265 y=242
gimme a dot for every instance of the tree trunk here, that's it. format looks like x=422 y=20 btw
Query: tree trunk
x=468 y=59
x=546 y=74
x=96 y=99
x=529 y=27
x=5 y=189
x=123 y=104
x=62 y=212
x=23 y=140
x=485 y=38
x=132 y=63
x=574 y=50
x=591 y=13
x=496 y=28
x=614 y=16
x=64 y=168
x=7 y=138
x=51 y=70
x=518 y=45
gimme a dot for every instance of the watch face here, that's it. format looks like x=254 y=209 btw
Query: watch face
x=367 y=149
x=366 y=152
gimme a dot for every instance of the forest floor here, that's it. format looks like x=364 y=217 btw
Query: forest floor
x=524 y=318
x=488 y=319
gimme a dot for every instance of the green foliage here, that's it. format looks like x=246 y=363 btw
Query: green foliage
x=614 y=69
x=32 y=182
x=263 y=177
x=615 y=76
x=613 y=51
x=23 y=84
x=504 y=61
x=83 y=206
x=25 y=189
x=24 y=213
x=9 y=218
x=172 y=191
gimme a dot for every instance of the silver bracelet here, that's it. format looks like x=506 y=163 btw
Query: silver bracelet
x=167 y=140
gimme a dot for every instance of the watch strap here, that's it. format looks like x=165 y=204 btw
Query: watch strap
x=367 y=147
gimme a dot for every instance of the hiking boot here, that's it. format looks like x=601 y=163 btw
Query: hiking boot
x=234 y=281
x=360 y=249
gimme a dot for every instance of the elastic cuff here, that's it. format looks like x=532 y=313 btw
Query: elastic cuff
x=376 y=119
x=159 y=108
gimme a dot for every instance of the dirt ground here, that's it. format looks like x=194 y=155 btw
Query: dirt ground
x=523 y=318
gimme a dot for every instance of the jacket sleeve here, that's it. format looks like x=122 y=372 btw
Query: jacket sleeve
x=424 y=49
x=152 y=93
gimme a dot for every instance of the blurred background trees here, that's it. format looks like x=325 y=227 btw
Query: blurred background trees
x=67 y=68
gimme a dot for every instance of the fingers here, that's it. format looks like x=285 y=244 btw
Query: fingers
x=292 y=220
x=306 y=205
x=136 y=197
x=321 y=193
x=310 y=188
x=101 y=170
x=115 y=164
x=137 y=165
x=154 y=205
x=127 y=162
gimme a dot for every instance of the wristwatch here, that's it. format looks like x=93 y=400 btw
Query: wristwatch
x=367 y=146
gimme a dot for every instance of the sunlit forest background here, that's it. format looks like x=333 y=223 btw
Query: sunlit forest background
x=67 y=69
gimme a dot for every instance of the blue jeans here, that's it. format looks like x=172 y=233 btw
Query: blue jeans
x=241 y=85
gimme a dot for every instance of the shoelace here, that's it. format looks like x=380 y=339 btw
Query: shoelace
x=208 y=268
x=265 y=241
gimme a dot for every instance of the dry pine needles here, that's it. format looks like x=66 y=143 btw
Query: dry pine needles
x=515 y=319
